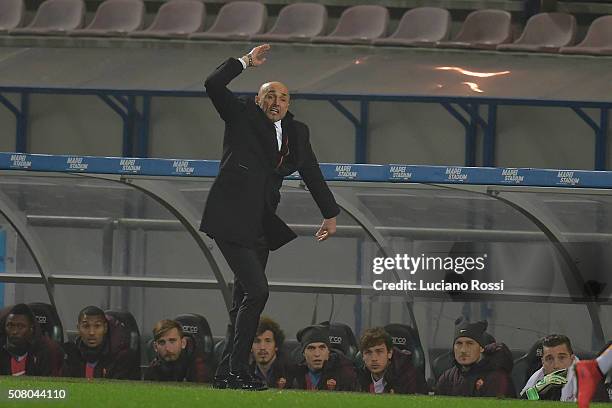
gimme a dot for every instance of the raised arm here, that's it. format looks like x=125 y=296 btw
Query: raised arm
x=223 y=99
x=312 y=176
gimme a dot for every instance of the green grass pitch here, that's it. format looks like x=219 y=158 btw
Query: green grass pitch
x=109 y=393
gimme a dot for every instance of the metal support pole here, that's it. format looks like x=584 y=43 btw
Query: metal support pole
x=490 y=132
x=471 y=132
x=15 y=111
x=22 y=124
x=135 y=124
x=361 y=139
x=361 y=126
x=601 y=141
x=143 y=130
x=601 y=135
x=129 y=127
x=470 y=135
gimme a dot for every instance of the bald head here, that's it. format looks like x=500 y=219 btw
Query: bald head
x=273 y=99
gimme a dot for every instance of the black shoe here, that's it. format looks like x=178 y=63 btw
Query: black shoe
x=244 y=381
x=220 y=382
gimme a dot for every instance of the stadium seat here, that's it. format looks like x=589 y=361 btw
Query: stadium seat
x=420 y=27
x=196 y=326
x=526 y=365
x=49 y=321
x=292 y=351
x=114 y=18
x=238 y=20
x=123 y=331
x=297 y=22
x=3 y=313
x=404 y=337
x=175 y=19
x=11 y=14
x=482 y=29
x=545 y=32
x=342 y=338
x=147 y=352
x=55 y=17
x=598 y=40
x=358 y=25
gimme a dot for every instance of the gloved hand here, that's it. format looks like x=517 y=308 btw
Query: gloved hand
x=556 y=379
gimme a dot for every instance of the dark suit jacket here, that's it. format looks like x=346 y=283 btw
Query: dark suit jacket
x=242 y=201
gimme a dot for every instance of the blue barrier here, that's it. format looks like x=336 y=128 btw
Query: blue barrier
x=397 y=173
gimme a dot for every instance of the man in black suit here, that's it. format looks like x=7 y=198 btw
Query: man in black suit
x=262 y=144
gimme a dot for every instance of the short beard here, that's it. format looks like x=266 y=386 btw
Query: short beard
x=17 y=346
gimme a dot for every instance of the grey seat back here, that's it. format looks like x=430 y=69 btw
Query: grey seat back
x=486 y=27
x=11 y=14
x=179 y=16
x=301 y=19
x=59 y=15
x=424 y=24
x=599 y=34
x=246 y=17
x=550 y=29
x=364 y=21
x=119 y=15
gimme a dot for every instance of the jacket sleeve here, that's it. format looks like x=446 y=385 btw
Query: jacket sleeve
x=225 y=102
x=311 y=174
x=443 y=386
x=50 y=358
x=346 y=376
x=407 y=380
x=57 y=360
x=126 y=366
x=200 y=370
x=151 y=373
x=499 y=384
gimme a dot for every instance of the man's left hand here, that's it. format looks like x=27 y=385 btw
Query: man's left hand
x=328 y=228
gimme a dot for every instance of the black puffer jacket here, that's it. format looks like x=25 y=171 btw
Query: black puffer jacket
x=490 y=377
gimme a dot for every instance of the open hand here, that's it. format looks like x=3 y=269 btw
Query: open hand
x=328 y=228
x=258 y=54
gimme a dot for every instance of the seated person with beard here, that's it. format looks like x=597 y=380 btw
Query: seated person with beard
x=177 y=359
x=24 y=350
x=269 y=364
x=94 y=354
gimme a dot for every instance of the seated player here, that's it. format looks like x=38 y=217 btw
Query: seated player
x=177 y=359
x=322 y=368
x=95 y=352
x=480 y=370
x=555 y=380
x=24 y=350
x=387 y=369
x=269 y=364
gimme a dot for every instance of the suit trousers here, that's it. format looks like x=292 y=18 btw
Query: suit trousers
x=250 y=294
